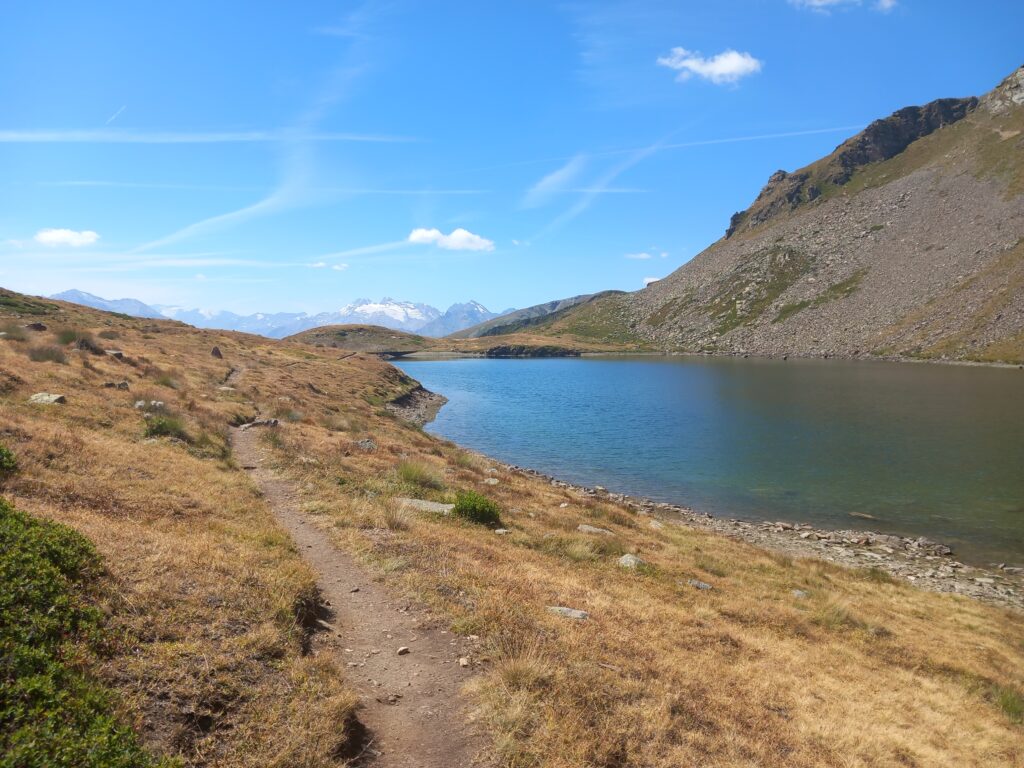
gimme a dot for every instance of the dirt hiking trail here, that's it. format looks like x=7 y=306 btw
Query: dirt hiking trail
x=411 y=707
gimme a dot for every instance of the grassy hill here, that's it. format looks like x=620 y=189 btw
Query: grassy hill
x=364 y=338
x=208 y=610
x=907 y=241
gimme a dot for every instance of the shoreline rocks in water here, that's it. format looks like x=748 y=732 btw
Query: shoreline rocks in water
x=925 y=563
x=419 y=406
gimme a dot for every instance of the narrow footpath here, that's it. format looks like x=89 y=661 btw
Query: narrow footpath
x=412 y=710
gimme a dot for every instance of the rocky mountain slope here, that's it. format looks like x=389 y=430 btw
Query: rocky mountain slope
x=513 y=321
x=907 y=240
x=132 y=307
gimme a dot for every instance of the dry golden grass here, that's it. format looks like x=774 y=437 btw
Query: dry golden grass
x=861 y=672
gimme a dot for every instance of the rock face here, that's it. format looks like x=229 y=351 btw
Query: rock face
x=907 y=241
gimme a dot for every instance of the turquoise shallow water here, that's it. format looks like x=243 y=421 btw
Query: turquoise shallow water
x=928 y=450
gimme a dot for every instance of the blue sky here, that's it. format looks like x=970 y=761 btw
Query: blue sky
x=268 y=156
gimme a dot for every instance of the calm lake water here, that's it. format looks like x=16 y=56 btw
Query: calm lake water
x=928 y=450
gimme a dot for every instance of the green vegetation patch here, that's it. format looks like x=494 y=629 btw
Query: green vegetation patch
x=8 y=461
x=52 y=713
x=747 y=296
x=838 y=291
x=163 y=425
x=23 y=305
x=477 y=508
x=48 y=354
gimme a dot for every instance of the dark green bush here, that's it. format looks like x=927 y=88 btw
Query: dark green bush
x=477 y=508
x=162 y=425
x=47 y=355
x=51 y=712
x=68 y=336
x=8 y=461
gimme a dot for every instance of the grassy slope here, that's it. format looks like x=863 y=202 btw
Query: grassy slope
x=363 y=338
x=862 y=672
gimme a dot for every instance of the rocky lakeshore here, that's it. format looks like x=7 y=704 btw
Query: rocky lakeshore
x=419 y=406
x=925 y=563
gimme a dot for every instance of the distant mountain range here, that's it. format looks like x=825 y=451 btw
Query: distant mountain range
x=388 y=313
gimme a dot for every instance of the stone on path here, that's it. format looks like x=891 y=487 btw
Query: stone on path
x=260 y=423
x=403 y=650
x=47 y=398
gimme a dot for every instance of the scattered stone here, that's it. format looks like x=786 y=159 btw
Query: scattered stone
x=569 y=613
x=630 y=561
x=155 y=405
x=115 y=353
x=502 y=531
x=215 y=352
x=260 y=423
x=490 y=481
x=403 y=650
x=225 y=389
x=698 y=584
x=463 y=662
x=123 y=385
x=422 y=505
x=657 y=525
x=367 y=445
x=800 y=594
x=584 y=528
x=563 y=505
x=34 y=327
x=47 y=398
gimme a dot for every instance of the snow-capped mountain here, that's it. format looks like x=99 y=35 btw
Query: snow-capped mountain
x=458 y=317
x=132 y=307
x=388 y=312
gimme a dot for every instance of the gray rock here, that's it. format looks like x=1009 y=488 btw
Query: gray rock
x=404 y=649
x=116 y=353
x=800 y=594
x=584 y=528
x=47 y=398
x=490 y=481
x=260 y=423
x=422 y=505
x=367 y=445
x=698 y=584
x=630 y=561
x=569 y=613
x=502 y=531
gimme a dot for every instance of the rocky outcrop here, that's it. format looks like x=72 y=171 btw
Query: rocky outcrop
x=525 y=350
x=880 y=141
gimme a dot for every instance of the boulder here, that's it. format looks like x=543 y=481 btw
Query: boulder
x=115 y=353
x=34 y=327
x=47 y=398
x=260 y=423
x=630 y=561
x=215 y=352
x=584 y=528
x=569 y=613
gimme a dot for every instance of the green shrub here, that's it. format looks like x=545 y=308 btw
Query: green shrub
x=418 y=473
x=8 y=461
x=14 y=332
x=53 y=713
x=477 y=508
x=162 y=425
x=109 y=335
x=47 y=355
x=69 y=336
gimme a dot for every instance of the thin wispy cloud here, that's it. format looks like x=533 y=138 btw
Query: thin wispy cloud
x=66 y=237
x=354 y=191
x=178 y=137
x=825 y=6
x=723 y=68
x=642 y=256
x=457 y=240
x=553 y=183
x=116 y=115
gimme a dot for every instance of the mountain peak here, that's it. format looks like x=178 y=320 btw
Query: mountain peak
x=1007 y=95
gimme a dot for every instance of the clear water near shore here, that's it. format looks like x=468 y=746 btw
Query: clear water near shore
x=928 y=450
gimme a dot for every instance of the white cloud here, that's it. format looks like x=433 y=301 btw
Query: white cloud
x=339 y=267
x=725 y=67
x=458 y=240
x=824 y=6
x=649 y=280
x=553 y=183
x=319 y=265
x=71 y=237
x=643 y=255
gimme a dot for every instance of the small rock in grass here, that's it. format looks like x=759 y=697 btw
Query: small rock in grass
x=630 y=561
x=47 y=398
x=502 y=531
x=569 y=613
x=490 y=481
x=215 y=352
x=463 y=662
x=800 y=594
x=584 y=528
x=657 y=525
x=403 y=650
x=698 y=584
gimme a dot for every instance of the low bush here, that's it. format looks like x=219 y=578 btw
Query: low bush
x=477 y=508
x=47 y=355
x=163 y=425
x=418 y=473
x=53 y=713
x=14 y=332
x=8 y=461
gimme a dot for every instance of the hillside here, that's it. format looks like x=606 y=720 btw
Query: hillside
x=363 y=338
x=215 y=646
x=908 y=240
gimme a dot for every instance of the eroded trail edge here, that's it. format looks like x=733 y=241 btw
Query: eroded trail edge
x=412 y=708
